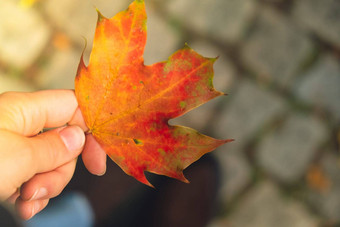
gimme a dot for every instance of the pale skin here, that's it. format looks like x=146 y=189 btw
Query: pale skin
x=35 y=166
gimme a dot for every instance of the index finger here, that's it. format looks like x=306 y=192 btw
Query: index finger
x=28 y=113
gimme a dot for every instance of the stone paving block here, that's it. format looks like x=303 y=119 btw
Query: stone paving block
x=224 y=79
x=321 y=85
x=8 y=83
x=162 y=39
x=276 y=48
x=286 y=152
x=250 y=108
x=23 y=34
x=77 y=18
x=264 y=206
x=109 y=8
x=223 y=20
x=236 y=173
x=322 y=17
x=59 y=71
x=327 y=201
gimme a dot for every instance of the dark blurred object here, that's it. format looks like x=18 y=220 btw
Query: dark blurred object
x=120 y=200
x=72 y=209
x=7 y=218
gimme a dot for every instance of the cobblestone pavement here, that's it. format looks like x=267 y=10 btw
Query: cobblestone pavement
x=279 y=62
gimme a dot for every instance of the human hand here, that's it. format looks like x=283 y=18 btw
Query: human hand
x=41 y=165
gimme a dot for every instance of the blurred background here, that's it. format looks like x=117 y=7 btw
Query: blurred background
x=279 y=63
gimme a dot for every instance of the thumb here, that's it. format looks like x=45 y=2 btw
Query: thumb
x=54 y=148
x=21 y=157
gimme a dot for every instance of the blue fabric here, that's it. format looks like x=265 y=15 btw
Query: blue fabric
x=70 y=210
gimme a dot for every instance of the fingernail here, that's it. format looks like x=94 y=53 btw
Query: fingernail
x=73 y=137
x=102 y=173
x=39 y=194
x=35 y=208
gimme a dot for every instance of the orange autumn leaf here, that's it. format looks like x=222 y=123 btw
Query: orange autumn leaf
x=318 y=180
x=126 y=104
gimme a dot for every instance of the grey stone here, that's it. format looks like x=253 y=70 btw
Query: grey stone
x=23 y=34
x=236 y=173
x=322 y=17
x=327 y=201
x=275 y=1
x=162 y=40
x=77 y=18
x=287 y=152
x=109 y=8
x=321 y=85
x=264 y=206
x=59 y=71
x=8 y=83
x=224 y=20
x=276 y=48
x=250 y=108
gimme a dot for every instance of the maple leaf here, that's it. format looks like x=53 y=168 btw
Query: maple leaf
x=126 y=105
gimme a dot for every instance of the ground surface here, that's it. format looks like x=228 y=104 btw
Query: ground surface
x=279 y=62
